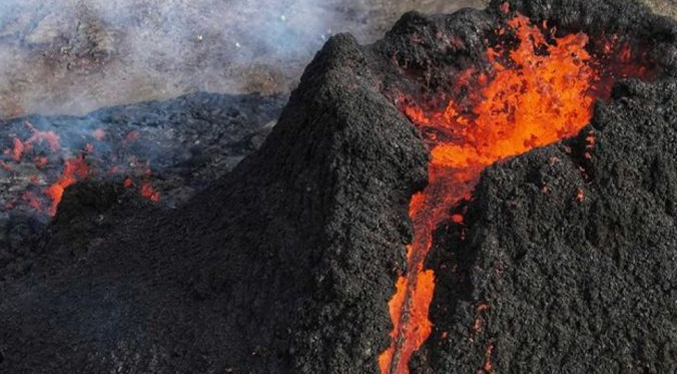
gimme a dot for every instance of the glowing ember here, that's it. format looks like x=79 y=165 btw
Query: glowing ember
x=488 y=365
x=18 y=150
x=48 y=137
x=41 y=162
x=32 y=199
x=74 y=170
x=22 y=147
x=131 y=137
x=5 y=167
x=149 y=192
x=534 y=95
x=99 y=134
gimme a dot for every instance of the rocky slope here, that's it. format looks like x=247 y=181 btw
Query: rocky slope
x=286 y=264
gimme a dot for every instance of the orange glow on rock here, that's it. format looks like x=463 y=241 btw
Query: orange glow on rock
x=32 y=200
x=75 y=169
x=18 y=150
x=99 y=134
x=5 y=167
x=41 y=162
x=488 y=365
x=49 y=137
x=149 y=192
x=131 y=137
x=535 y=94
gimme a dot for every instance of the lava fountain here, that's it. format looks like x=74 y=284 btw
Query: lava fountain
x=540 y=88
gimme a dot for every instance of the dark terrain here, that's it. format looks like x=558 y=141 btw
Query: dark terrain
x=286 y=264
x=571 y=286
x=177 y=146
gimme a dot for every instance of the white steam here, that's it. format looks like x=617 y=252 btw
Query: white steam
x=72 y=56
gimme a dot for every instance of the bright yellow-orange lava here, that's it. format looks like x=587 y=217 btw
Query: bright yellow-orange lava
x=536 y=94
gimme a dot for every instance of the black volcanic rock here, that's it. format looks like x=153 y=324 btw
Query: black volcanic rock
x=573 y=259
x=286 y=264
x=185 y=142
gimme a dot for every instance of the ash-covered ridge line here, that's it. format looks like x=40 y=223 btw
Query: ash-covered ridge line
x=287 y=263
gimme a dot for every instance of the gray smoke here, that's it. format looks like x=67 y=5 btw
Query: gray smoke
x=72 y=56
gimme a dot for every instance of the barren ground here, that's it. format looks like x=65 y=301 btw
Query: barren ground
x=74 y=56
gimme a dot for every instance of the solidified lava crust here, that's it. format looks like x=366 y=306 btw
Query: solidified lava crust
x=563 y=261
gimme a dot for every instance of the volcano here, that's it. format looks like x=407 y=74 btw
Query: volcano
x=491 y=191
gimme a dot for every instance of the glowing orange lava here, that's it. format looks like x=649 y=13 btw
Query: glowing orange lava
x=75 y=169
x=536 y=94
x=149 y=192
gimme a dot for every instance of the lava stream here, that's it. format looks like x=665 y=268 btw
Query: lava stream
x=534 y=95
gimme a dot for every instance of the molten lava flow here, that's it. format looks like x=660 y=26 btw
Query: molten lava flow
x=536 y=94
x=74 y=170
